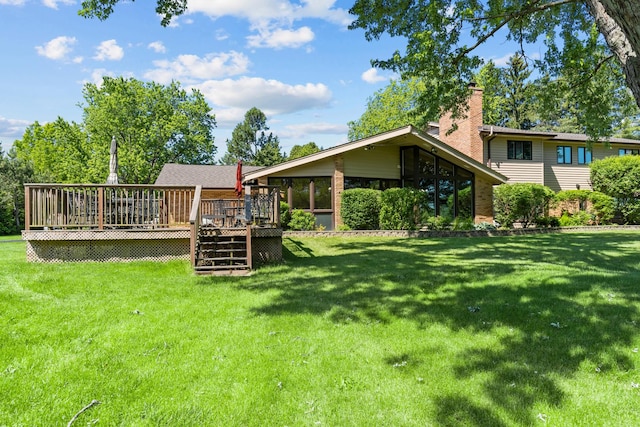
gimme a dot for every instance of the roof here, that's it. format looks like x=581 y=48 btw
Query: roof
x=404 y=136
x=209 y=176
x=487 y=130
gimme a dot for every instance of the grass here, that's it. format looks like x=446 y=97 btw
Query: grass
x=509 y=331
x=16 y=237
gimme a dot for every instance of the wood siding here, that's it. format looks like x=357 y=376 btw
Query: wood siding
x=320 y=168
x=381 y=162
x=518 y=170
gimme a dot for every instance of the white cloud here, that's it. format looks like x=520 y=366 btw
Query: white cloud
x=192 y=67
x=300 y=131
x=371 y=76
x=270 y=96
x=281 y=38
x=504 y=60
x=12 y=128
x=57 y=49
x=12 y=2
x=109 y=50
x=157 y=47
x=272 y=10
x=53 y=4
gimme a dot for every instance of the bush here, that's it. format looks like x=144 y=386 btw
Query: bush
x=599 y=205
x=302 y=221
x=484 y=226
x=547 y=221
x=521 y=202
x=438 y=223
x=578 y=219
x=285 y=215
x=360 y=208
x=403 y=208
x=619 y=177
x=603 y=207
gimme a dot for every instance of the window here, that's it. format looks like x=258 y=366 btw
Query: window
x=627 y=151
x=373 y=183
x=584 y=156
x=305 y=193
x=519 y=150
x=564 y=154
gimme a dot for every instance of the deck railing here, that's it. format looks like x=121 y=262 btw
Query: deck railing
x=64 y=206
x=71 y=206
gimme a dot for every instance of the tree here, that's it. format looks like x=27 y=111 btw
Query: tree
x=489 y=78
x=153 y=125
x=298 y=151
x=573 y=31
x=619 y=177
x=389 y=108
x=14 y=173
x=250 y=143
x=518 y=109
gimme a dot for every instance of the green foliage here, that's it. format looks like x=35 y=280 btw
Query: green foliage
x=285 y=215
x=298 y=151
x=250 y=143
x=14 y=173
x=577 y=63
x=521 y=202
x=462 y=223
x=577 y=219
x=619 y=178
x=546 y=221
x=153 y=125
x=360 y=208
x=403 y=208
x=102 y=9
x=302 y=220
x=439 y=223
x=389 y=108
x=484 y=226
x=602 y=207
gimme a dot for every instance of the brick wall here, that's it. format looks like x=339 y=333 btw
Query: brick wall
x=483 y=201
x=466 y=138
x=338 y=188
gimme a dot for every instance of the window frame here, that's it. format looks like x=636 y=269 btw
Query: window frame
x=585 y=156
x=561 y=154
x=515 y=146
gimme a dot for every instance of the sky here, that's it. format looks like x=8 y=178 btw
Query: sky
x=294 y=60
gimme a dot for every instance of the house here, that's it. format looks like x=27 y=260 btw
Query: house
x=555 y=159
x=458 y=185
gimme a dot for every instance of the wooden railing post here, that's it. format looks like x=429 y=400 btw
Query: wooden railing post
x=249 y=249
x=194 y=223
x=100 y=208
x=27 y=207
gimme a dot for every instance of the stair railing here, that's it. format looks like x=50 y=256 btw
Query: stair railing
x=194 y=222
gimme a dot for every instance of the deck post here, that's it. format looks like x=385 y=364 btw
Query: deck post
x=100 y=208
x=27 y=207
x=249 y=249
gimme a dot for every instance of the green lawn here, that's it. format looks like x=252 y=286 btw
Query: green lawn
x=505 y=331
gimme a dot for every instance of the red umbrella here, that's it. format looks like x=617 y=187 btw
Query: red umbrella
x=239 y=179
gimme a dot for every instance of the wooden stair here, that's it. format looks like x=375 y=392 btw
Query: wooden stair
x=221 y=252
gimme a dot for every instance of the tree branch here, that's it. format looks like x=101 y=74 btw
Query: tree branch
x=508 y=18
x=86 y=408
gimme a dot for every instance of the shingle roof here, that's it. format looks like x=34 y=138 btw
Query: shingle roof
x=558 y=136
x=209 y=176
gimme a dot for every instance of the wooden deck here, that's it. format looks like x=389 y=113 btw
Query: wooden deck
x=132 y=222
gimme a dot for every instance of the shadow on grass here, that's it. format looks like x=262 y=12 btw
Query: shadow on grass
x=569 y=298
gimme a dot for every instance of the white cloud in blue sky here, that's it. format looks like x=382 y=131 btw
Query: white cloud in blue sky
x=295 y=60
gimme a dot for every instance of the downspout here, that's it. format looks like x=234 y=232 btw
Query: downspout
x=491 y=137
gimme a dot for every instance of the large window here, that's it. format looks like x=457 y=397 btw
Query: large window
x=519 y=150
x=584 y=156
x=373 y=183
x=449 y=187
x=305 y=193
x=628 y=151
x=564 y=154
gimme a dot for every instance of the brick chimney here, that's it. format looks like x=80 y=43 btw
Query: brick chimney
x=466 y=138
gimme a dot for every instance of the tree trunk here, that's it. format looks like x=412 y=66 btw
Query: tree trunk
x=617 y=21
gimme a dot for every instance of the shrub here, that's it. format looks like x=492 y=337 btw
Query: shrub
x=403 y=208
x=577 y=219
x=438 y=223
x=301 y=220
x=603 y=207
x=547 y=221
x=360 y=208
x=521 y=202
x=619 y=177
x=285 y=215
x=484 y=226
x=461 y=223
